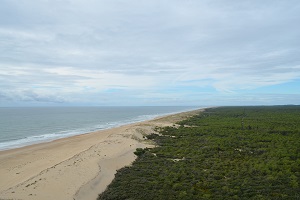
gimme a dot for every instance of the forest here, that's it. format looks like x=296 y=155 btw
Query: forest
x=222 y=153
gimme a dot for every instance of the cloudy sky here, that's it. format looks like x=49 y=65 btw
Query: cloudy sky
x=149 y=52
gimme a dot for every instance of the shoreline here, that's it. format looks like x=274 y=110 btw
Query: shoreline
x=71 y=133
x=77 y=167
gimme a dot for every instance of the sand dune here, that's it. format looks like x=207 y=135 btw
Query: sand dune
x=78 y=167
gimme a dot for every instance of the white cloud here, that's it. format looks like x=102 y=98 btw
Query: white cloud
x=76 y=48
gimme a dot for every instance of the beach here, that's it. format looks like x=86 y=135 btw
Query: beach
x=78 y=167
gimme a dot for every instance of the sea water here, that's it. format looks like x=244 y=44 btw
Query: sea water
x=30 y=125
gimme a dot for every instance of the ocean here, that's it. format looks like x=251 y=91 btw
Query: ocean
x=31 y=125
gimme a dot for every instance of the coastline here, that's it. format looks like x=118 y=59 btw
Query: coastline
x=77 y=167
x=37 y=135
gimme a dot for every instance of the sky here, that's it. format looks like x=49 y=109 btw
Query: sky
x=154 y=52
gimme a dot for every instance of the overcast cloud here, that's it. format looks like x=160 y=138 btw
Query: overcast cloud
x=158 y=52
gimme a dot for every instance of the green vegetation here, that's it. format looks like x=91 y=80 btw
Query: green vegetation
x=222 y=153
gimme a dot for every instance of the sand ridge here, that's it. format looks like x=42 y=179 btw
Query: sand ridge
x=78 y=167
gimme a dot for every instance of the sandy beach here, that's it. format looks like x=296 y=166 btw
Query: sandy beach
x=78 y=167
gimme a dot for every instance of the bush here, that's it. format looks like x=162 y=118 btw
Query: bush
x=214 y=157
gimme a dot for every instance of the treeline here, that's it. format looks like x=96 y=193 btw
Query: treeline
x=222 y=153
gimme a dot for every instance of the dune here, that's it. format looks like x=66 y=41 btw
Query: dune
x=78 y=167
